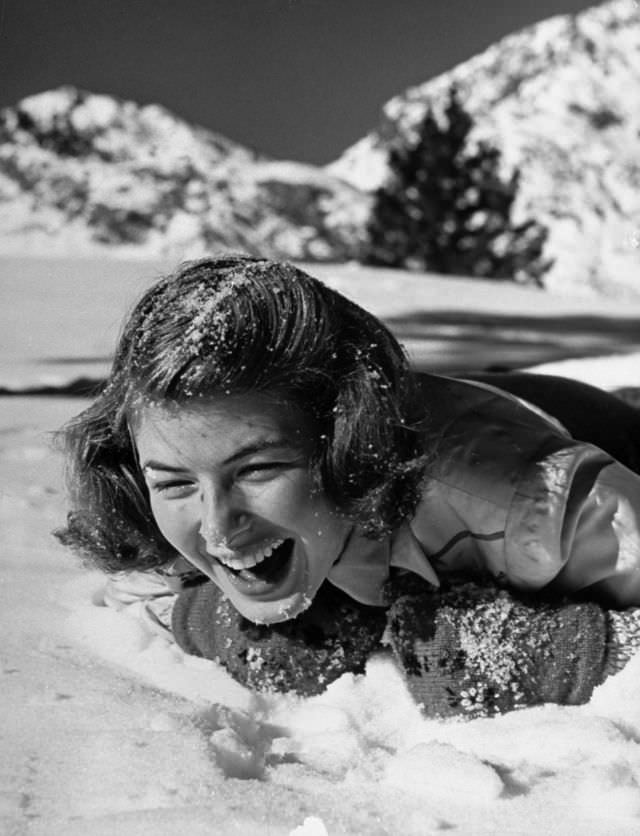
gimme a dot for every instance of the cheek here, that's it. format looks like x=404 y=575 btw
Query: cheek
x=292 y=500
x=302 y=508
x=173 y=521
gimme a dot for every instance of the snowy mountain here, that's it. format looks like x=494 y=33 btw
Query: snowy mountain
x=561 y=99
x=81 y=173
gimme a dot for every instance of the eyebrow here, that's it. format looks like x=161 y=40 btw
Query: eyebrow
x=254 y=447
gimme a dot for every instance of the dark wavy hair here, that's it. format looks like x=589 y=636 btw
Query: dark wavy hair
x=231 y=325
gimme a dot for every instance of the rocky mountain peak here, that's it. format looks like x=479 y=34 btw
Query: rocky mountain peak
x=561 y=100
x=75 y=123
x=81 y=172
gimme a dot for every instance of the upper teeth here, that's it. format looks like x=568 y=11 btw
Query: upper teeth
x=250 y=560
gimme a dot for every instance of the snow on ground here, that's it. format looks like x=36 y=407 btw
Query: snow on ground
x=107 y=729
x=111 y=730
x=599 y=371
x=59 y=319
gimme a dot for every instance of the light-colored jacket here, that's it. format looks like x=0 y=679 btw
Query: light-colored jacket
x=508 y=495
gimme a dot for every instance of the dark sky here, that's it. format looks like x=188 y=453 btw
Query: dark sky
x=298 y=79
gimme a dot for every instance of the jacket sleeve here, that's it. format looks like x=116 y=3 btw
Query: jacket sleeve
x=574 y=524
x=149 y=596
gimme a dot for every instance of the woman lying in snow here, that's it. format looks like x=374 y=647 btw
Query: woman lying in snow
x=264 y=476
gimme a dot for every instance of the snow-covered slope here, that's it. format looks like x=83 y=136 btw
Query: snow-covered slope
x=81 y=173
x=108 y=729
x=562 y=101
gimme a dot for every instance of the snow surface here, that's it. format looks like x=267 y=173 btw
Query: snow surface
x=606 y=372
x=59 y=318
x=108 y=729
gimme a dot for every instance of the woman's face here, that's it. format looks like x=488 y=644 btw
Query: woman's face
x=231 y=489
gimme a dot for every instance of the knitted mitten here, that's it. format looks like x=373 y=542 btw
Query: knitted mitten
x=335 y=635
x=481 y=651
x=623 y=638
x=469 y=650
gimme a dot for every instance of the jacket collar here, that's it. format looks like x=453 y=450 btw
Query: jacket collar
x=363 y=568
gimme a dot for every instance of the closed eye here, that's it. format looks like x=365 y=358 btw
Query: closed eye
x=173 y=486
x=261 y=471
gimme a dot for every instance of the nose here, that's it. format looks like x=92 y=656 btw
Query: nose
x=222 y=519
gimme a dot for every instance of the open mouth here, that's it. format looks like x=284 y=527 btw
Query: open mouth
x=270 y=570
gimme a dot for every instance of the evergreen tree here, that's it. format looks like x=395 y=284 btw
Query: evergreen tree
x=446 y=209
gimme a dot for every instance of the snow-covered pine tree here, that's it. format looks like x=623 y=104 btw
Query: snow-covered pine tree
x=447 y=208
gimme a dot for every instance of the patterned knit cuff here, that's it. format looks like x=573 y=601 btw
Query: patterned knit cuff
x=623 y=639
x=479 y=651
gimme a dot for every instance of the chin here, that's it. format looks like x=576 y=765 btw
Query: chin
x=272 y=593
x=272 y=612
